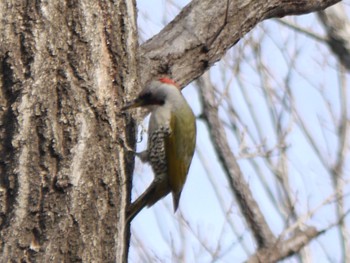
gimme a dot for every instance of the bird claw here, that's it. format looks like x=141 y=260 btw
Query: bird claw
x=143 y=156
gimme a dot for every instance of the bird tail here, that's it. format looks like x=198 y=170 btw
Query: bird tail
x=156 y=191
x=176 y=200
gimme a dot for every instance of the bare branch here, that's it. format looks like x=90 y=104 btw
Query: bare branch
x=261 y=231
x=205 y=29
x=338 y=167
x=300 y=29
x=337 y=25
x=283 y=249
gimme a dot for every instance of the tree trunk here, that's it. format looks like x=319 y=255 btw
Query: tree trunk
x=66 y=67
x=65 y=178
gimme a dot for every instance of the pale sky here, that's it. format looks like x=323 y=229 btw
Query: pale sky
x=206 y=196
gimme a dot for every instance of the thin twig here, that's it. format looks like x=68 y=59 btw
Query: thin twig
x=250 y=209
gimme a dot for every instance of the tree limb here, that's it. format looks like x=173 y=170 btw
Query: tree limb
x=337 y=25
x=250 y=209
x=205 y=29
x=284 y=248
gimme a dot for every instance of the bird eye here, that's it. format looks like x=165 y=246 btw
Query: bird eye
x=150 y=98
x=146 y=96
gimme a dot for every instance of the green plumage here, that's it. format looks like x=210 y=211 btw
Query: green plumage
x=179 y=148
x=171 y=142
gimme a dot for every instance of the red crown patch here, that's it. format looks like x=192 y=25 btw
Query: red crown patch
x=168 y=81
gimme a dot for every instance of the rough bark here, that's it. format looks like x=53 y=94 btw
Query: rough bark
x=64 y=179
x=205 y=29
x=66 y=68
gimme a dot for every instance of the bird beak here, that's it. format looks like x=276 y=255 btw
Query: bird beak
x=133 y=104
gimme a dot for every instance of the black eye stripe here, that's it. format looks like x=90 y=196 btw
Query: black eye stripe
x=145 y=96
x=148 y=99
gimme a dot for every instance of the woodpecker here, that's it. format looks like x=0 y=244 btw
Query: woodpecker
x=170 y=145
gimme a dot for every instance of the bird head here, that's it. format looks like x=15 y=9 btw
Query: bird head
x=155 y=93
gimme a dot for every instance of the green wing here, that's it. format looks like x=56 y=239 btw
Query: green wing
x=179 y=147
